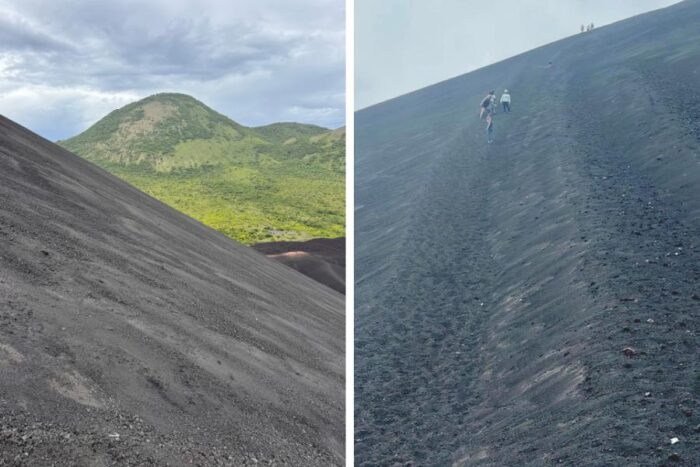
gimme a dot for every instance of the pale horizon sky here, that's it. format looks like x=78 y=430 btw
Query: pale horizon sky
x=65 y=64
x=405 y=45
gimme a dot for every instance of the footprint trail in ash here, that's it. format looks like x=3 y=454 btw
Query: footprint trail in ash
x=497 y=286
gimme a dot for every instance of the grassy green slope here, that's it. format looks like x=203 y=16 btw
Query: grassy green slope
x=278 y=182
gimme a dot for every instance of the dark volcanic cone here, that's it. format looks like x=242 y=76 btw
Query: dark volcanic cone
x=131 y=334
x=498 y=285
x=322 y=259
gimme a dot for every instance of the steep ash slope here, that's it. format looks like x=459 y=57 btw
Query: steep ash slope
x=498 y=285
x=131 y=334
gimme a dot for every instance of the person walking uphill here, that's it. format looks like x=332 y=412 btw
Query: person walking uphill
x=489 y=128
x=486 y=104
x=505 y=101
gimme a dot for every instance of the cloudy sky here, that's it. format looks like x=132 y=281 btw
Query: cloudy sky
x=64 y=64
x=404 y=45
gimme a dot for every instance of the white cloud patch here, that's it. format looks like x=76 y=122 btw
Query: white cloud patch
x=60 y=109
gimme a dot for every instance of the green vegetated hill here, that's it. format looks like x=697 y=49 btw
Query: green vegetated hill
x=284 y=181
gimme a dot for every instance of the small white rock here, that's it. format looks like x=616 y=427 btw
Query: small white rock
x=674 y=440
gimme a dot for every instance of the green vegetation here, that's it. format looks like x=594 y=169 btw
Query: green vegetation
x=284 y=181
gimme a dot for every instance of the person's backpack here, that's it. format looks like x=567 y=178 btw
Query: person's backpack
x=486 y=102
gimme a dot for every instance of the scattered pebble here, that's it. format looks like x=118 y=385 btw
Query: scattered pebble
x=674 y=440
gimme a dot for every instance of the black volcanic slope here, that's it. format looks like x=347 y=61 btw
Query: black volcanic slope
x=131 y=334
x=498 y=285
x=322 y=259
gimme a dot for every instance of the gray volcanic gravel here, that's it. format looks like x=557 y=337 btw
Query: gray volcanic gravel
x=536 y=301
x=131 y=334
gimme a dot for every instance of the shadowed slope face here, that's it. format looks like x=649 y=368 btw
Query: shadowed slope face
x=278 y=182
x=322 y=259
x=130 y=333
x=497 y=285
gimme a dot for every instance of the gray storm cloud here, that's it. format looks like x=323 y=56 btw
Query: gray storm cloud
x=64 y=64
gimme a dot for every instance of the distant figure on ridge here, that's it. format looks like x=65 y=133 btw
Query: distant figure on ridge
x=505 y=101
x=592 y=26
x=486 y=103
x=583 y=28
